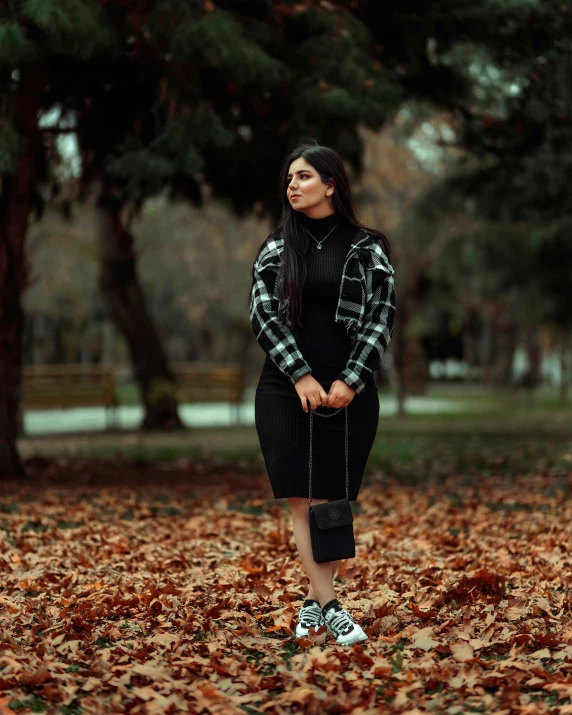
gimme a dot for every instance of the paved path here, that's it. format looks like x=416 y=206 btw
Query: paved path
x=198 y=415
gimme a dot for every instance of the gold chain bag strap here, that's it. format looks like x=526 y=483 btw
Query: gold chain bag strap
x=331 y=523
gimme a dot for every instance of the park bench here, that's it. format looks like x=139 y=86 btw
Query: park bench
x=206 y=382
x=48 y=387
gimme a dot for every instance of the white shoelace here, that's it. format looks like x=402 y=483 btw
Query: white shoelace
x=310 y=616
x=341 y=623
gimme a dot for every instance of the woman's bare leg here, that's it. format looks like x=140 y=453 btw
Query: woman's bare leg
x=311 y=594
x=320 y=575
x=335 y=567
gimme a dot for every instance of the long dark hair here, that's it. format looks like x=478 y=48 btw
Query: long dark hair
x=328 y=164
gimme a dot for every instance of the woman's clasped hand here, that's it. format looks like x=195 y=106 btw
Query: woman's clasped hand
x=310 y=391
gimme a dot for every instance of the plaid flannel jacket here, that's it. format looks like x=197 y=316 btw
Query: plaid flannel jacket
x=366 y=306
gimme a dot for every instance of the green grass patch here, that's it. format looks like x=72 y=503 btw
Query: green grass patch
x=496 y=433
x=417 y=453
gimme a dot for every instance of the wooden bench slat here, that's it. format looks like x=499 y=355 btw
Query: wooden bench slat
x=58 y=386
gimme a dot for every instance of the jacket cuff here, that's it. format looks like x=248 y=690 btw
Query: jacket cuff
x=300 y=372
x=352 y=379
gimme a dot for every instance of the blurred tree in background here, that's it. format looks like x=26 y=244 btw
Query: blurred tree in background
x=514 y=132
x=166 y=95
x=36 y=39
x=175 y=97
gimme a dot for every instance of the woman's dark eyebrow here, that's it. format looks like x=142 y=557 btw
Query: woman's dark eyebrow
x=302 y=171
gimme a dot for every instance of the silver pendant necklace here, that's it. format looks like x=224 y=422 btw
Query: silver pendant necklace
x=322 y=241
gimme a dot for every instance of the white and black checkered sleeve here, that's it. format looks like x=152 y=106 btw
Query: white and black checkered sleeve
x=375 y=333
x=276 y=339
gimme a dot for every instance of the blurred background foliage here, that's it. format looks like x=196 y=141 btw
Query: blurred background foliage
x=139 y=155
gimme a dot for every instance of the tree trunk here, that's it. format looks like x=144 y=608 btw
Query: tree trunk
x=11 y=320
x=508 y=334
x=119 y=284
x=14 y=212
x=502 y=335
x=398 y=344
x=410 y=360
x=414 y=365
x=469 y=338
x=534 y=355
x=488 y=346
x=564 y=358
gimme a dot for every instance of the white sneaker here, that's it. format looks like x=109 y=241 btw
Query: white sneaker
x=309 y=616
x=342 y=626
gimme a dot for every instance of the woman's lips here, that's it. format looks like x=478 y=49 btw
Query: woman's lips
x=295 y=196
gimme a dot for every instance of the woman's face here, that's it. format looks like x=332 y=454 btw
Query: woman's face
x=306 y=190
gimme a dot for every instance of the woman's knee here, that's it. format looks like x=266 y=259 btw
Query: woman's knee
x=299 y=505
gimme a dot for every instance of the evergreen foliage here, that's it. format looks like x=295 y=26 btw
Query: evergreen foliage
x=525 y=144
x=15 y=48
x=218 y=39
x=74 y=28
x=165 y=91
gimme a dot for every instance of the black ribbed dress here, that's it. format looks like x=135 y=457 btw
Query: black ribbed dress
x=282 y=425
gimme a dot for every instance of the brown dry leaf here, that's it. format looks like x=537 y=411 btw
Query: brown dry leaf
x=423 y=639
x=462 y=651
x=4 y=709
x=177 y=590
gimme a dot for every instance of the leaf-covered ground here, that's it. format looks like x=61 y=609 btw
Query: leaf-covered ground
x=141 y=588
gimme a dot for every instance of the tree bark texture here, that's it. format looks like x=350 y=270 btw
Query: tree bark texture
x=469 y=338
x=501 y=342
x=399 y=346
x=565 y=361
x=120 y=287
x=411 y=365
x=15 y=202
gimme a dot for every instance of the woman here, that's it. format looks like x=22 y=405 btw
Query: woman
x=322 y=305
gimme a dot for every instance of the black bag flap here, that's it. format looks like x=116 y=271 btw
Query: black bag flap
x=334 y=513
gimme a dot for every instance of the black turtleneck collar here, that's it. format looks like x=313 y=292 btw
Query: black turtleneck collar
x=321 y=226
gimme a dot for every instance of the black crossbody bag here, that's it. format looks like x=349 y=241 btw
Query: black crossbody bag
x=331 y=523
